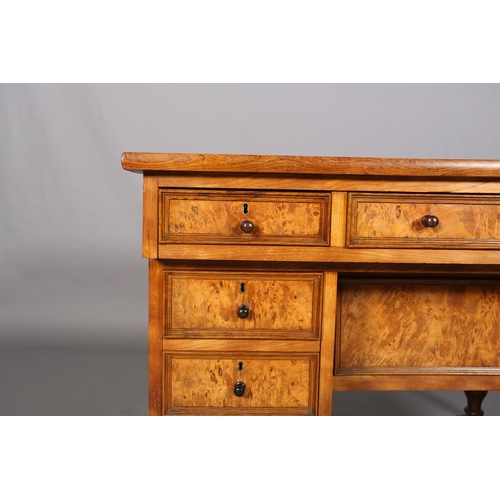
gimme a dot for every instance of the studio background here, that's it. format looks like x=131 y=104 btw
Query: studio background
x=73 y=285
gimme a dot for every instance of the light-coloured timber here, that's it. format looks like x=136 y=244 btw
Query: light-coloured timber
x=200 y=380
x=277 y=280
x=398 y=221
x=332 y=255
x=416 y=328
x=328 y=183
x=244 y=218
x=316 y=165
x=236 y=305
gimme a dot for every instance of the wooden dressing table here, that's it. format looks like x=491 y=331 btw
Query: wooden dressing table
x=275 y=280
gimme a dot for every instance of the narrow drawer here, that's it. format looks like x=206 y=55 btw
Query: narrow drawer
x=214 y=304
x=244 y=217
x=423 y=221
x=418 y=326
x=240 y=383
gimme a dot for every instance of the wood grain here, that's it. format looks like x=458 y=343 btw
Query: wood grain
x=327 y=343
x=318 y=165
x=198 y=380
x=337 y=272
x=150 y=217
x=395 y=221
x=244 y=345
x=215 y=216
x=405 y=382
x=329 y=183
x=347 y=269
x=155 y=335
x=206 y=304
x=332 y=254
x=418 y=327
x=338 y=218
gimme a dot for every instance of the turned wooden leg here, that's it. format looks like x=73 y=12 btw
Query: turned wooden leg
x=474 y=400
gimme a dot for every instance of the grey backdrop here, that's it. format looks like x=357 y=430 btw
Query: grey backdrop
x=73 y=289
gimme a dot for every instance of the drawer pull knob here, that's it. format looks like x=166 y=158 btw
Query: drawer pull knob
x=430 y=221
x=239 y=389
x=243 y=311
x=247 y=226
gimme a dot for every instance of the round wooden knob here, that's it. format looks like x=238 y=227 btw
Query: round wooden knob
x=247 y=226
x=239 y=389
x=243 y=311
x=430 y=221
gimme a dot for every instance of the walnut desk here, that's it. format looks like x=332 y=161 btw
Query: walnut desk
x=275 y=280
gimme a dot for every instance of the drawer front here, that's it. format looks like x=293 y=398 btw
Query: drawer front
x=423 y=221
x=254 y=305
x=271 y=382
x=244 y=217
x=419 y=328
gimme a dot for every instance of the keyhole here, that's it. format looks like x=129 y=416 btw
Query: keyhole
x=242 y=287
x=240 y=366
x=245 y=208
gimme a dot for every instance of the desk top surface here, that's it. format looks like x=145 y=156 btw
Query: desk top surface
x=309 y=165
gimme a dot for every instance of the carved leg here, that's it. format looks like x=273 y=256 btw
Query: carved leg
x=474 y=400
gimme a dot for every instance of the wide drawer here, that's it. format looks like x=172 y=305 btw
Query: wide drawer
x=242 y=305
x=418 y=326
x=265 y=383
x=423 y=221
x=244 y=217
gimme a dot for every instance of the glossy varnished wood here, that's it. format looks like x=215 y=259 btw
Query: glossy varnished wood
x=204 y=217
x=397 y=327
x=150 y=217
x=474 y=400
x=205 y=304
x=318 y=165
x=332 y=183
x=196 y=381
x=338 y=220
x=327 y=343
x=420 y=382
x=155 y=336
x=397 y=221
x=253 y=345
x=340 y=274
x=370 y=256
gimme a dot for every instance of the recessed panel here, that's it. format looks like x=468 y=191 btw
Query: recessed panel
x=258 y=305
x=418 y=328
x=244 y=218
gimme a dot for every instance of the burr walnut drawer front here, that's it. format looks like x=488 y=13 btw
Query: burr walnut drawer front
x=419 y=326
x=232 y=382
x=423 y=221
x=242 y=305
x=244 y=217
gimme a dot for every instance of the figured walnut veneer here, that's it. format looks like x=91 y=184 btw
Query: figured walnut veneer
x=216 y=217
x=396 y=221
x=206 y=305
x=275 y=280
x=419 y=328
x=273 y=381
